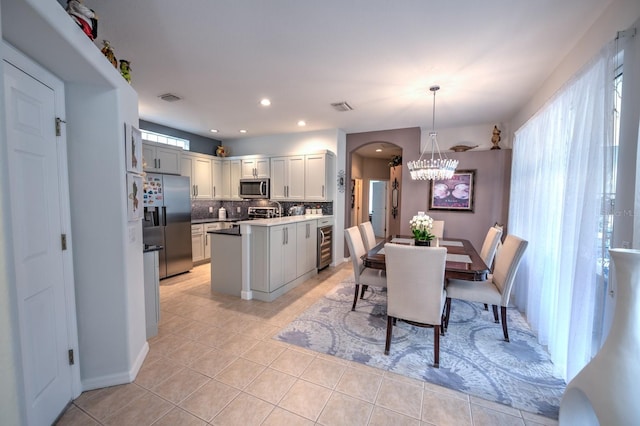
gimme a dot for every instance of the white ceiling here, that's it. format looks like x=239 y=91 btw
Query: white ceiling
x=381 y=56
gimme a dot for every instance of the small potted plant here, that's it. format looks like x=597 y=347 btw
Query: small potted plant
x=421 y=226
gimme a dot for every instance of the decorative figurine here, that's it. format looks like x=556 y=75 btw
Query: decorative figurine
x=495 y=139
x=125 y=70
x=86 y=18
x=107 y=51
x=222 y=151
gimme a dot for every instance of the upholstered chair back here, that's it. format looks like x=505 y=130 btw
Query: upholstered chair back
x=415 y=282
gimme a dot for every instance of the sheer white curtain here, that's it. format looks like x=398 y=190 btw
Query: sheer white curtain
x=558 y=176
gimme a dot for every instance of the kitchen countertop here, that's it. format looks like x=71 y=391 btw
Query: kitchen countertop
x=215 y=219
x=235 y=231
x=283 y=220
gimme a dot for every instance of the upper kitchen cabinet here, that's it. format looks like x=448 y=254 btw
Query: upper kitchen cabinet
x=198 y=168
x=216 y=179
x=287 y=178
x=318 y=176
x=255 y=168
x=231 y=170
x=160 y=158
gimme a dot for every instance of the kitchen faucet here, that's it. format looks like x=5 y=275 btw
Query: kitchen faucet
x=279 y=207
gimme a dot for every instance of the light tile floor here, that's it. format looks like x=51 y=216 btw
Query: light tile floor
x=214 y=362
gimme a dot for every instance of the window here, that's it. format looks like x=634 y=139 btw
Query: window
x=166 y=139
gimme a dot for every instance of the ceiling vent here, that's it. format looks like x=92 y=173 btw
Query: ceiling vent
x=342 y=106
x=169 y=97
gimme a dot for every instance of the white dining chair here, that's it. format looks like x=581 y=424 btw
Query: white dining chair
x=491 y=240
x=438 y=228
x=495 y=291
x=368 y=236
x=415 y=290
x=362 y=275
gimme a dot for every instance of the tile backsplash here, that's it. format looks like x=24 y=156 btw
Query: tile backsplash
x=200 y=208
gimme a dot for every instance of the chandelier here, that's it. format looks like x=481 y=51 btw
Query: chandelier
x=437 y=167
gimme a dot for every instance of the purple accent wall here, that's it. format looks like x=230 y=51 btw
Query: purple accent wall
x=493 y=177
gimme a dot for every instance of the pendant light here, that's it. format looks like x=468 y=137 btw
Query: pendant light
x=437 y=167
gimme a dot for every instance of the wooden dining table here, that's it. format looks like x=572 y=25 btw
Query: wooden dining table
x=463 y=261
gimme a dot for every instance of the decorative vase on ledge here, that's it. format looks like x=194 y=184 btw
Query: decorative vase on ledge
x=605 y=391
x=423 y=243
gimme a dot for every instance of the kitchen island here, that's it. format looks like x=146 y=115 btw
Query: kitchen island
x=272 y=256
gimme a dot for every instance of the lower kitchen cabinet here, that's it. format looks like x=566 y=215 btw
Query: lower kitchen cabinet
x=281 y=255
x=197 y=243
x=306 y=246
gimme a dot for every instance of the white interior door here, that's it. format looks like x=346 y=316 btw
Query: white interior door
x=37 y=224
x=378 y=207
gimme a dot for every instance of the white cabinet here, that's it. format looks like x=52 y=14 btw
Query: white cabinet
x=230 y=179
x=234 y=179
x=216 y=179
x=198 y=168
x=318 y=177
x=197 y=243
x=160 y=158
x=306 y=246
x=287 y=178
x=282 y=256
x=253 y=168
x=207 y=237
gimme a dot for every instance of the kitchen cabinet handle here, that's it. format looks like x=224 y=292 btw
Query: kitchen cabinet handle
x=287 y=234
x=322 y=191
x=155 y=163
x=159 y=164
x=283 y=237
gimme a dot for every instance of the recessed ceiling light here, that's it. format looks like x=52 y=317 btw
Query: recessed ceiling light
x=302 y=123
x=379 y=150
x=243 y=131
x=265 y=102
x=214 y=130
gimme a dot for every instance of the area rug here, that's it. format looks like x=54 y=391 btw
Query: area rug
x=474 y=358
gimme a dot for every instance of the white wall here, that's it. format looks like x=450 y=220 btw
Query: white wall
x=285 y=144
x=107 y=259
x=618 y=16
x=469 y=135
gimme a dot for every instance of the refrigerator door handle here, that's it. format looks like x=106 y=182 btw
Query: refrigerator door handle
x=164 y=216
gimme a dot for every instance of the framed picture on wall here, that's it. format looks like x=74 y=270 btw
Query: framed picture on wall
x=133 y=148
x=455 y=194
x=134 y=197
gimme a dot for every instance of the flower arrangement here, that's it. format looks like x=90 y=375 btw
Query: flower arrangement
x=421 y=226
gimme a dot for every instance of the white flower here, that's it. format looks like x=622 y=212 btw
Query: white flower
x=421 y=226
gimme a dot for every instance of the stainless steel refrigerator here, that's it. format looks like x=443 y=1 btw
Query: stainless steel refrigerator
x=167 y=221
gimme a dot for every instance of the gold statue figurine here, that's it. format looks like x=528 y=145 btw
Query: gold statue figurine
x=495 y=139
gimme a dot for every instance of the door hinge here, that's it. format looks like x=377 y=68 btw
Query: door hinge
x=63 y=241
x=71 y=360
x=58 y=121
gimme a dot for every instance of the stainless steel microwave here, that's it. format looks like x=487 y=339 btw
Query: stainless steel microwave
x=254 y=188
